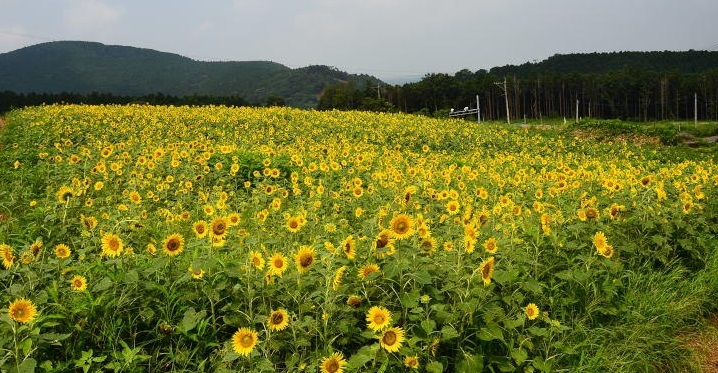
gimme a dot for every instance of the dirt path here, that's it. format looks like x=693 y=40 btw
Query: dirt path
x=705 y=346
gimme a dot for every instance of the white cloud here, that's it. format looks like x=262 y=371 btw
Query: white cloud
x=87 y=15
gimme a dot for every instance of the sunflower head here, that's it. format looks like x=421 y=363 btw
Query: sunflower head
x=278 y=320
x=277 y=264
x=22 y=310
x=243 y=341
x=333 y=363
x=174 y=244
x=111 y=245
x=78 y=283
x=62 y=251
x=392 y=339
x=487 y=270
x=401 y=226
x=532 y=311
x=378 y=318
x=304 y=258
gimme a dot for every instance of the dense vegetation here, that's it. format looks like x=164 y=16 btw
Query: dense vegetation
x=140 y=238
x=85 y=67
x=628 y=85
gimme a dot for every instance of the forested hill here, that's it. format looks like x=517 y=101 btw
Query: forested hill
x=86 y=67
x=685 y=62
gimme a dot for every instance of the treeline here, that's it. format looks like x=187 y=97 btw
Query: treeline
x=635 y=86
x=11 y=100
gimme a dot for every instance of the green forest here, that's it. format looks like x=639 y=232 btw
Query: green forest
x=637 y=86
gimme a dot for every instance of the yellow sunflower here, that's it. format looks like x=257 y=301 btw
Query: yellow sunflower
x=349 y=247
x=255 y=258
x=333 y=363
x=452 y=207
x=278 y=320
x=200 y=228
x=277 y=264
x=304 y=258
x=293 y=224
x=174 y=244
x=490 y=246
x=337 y=281
x=378 y=318
x=8 y=258
x=600 y=241
x=22 y=310
x=487 y=270
x=243 y=341
x=64 y=194
x=111 y=245
x=367 y=270
x=411 y=362
x=392 y=339
x=218 y=228
x=401 y=226
x=78 y=283
x=62 y=251
x=532 y=311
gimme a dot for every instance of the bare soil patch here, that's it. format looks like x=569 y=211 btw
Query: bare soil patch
x=705 y=346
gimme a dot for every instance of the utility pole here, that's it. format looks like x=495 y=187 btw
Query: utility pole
x=577 y=111
x=695 y=110
x=478 y=110
x=506 y=96
x=378 y=90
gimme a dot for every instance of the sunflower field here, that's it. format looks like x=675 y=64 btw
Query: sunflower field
x=144 y=238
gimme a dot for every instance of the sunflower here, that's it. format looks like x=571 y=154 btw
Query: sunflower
x=255 y=258
x=607 y=251
x=367 y=270
x=487 y=270
x=243 y=341
x=384 y=244
x=277 y=264
x=452 y=207
x=78 y=283
x=532 y=311
x=278 y=320
x=35 y=248
x=333 y=363
x=8 y=258
x=62 y=251
x=218 y=228
x=293 y=224
x=378 y=318
x=196 y=273
x=111 y=245
x=428 y=245
x=174 y=244
x=600 y=241
x=200 y=228
x=411 y=362
x=304 y=258
x=490 y=246
x=22 y=310
x=401 y=226
x=337 y=282
x=354 y=301
x=349 y=247
x=391 y=339
x=64 y=194
x=135 y=197
x=591 y=213
x=233 y=219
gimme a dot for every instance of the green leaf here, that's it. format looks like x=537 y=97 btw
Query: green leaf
x=423 y=277
x=191 y=319
x=27 y=366
x=449 y=332
x=435 y=367
x=470 y=363
x=428 y=325
x=363 y=356
x=519 y=355
x=490 y=332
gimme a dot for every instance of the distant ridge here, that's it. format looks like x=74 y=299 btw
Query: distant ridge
x=86 y=67
x=686 y=62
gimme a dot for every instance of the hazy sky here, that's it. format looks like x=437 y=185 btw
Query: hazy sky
x=385 y=38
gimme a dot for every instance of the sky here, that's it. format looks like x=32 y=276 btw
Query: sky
x=389 y=39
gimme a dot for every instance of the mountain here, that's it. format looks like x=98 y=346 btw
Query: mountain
x=86 y=67
x=686 y=62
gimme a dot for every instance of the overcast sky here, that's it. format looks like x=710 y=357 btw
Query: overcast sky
x=385 y=38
